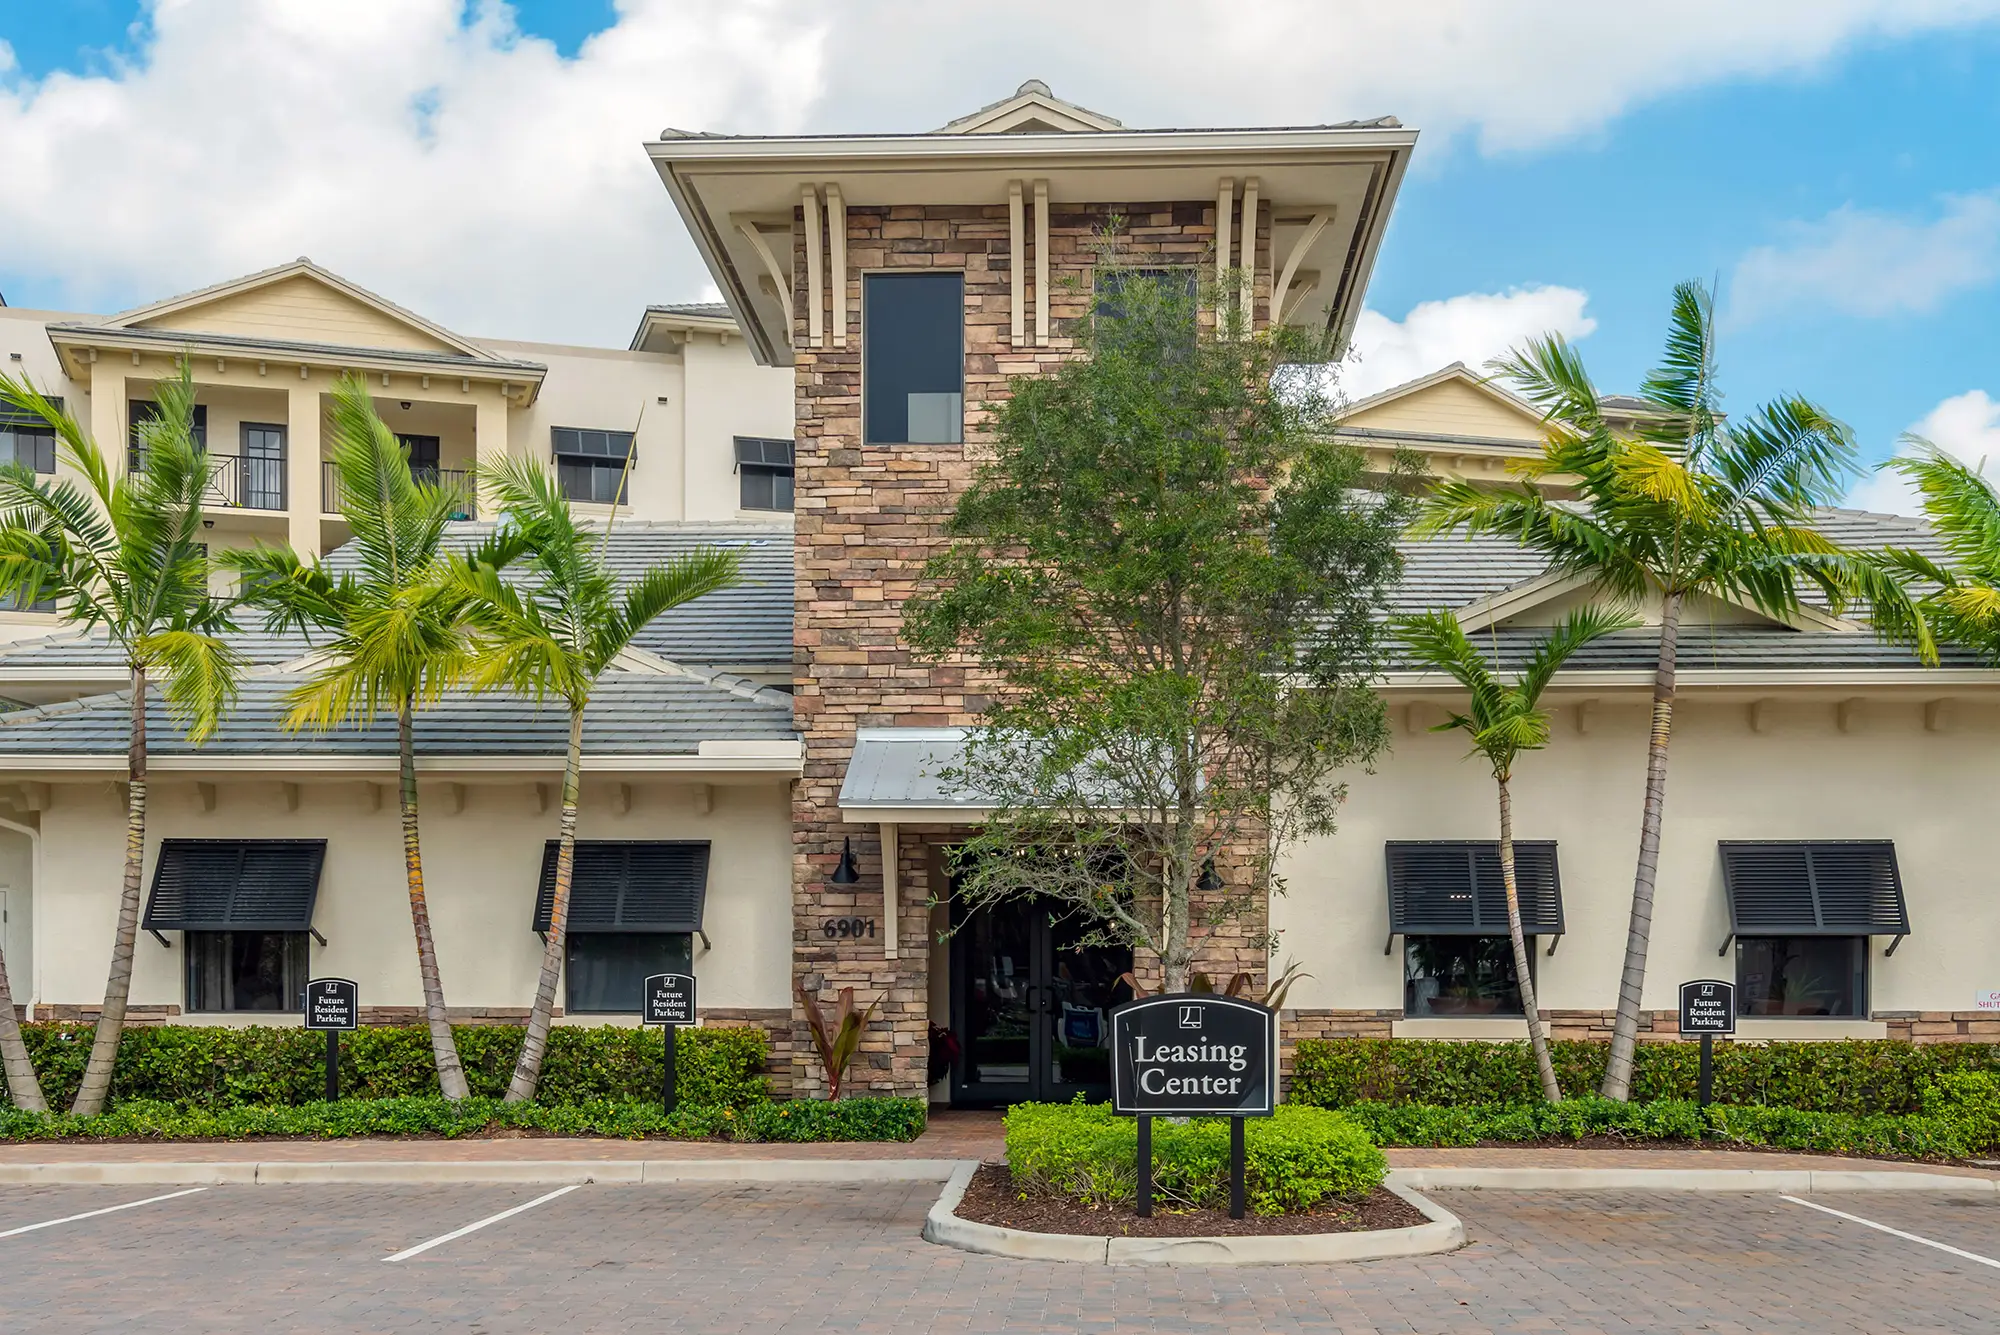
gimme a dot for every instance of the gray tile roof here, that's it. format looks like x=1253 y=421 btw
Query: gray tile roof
x=57 y=653
x=630 y=714
x=749 y=626
x=716 y=309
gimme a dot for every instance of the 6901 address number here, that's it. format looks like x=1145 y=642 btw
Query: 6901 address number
x=846 y=929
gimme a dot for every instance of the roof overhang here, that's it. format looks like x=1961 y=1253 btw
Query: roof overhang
x=1330 y=190
x=1930 y=682
x=471 y=769
x=660 y=325
x=79 y=345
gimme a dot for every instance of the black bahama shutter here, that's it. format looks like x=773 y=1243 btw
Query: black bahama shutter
x=235 y=885
x=1844 y=887
x=629 y=885
x=10 y=416
x=1453 y=888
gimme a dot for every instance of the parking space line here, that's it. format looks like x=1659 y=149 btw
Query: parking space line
x=1897 y=1232
x=421 y=1247
x=92 y=1214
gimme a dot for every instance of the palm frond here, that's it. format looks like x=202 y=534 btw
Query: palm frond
x=199 y=676
x=1583 y=625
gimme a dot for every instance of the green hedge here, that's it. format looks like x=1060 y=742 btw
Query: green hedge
x=211 y=1067
x=1855 y=1078
x=1959 y=1117
x=849 y=1119
x=1292 y=1161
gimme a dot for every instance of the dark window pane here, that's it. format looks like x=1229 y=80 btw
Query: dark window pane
x=1802 y=975
x=33 y=446
x=766 y=488
x=263 y=480
x=145 y=410
x=1163 y=306
x=422 y=452
x=246 y=971
x=590 y=481
x=607 y=971
x=1461 y=975
x=913 y=358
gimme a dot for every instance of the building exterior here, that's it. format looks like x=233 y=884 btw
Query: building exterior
x=762 y=799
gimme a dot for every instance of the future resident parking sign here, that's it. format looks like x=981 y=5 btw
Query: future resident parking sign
x=1194 y=1054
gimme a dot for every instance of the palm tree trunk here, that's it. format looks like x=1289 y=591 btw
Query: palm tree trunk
x=22 y=1086
x=1538 y=1037
x=96 y=1088
x=451 y=1075
x=1638 y=933
x=528 y=1073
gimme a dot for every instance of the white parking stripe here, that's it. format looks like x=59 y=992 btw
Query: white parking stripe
x=109 y=1209
x=1897 y=1232
x=407 y=1253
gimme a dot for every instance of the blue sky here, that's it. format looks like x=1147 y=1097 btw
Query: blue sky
x=1846 y=193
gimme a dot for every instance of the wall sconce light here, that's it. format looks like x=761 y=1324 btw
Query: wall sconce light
x=406 y=405
x=1209 y=882
x=846 y=873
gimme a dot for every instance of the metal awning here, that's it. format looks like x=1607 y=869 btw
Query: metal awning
x=1452 y=887
x=234 y=885
x=1824 y=887
x=894 y=775
x=629 y=885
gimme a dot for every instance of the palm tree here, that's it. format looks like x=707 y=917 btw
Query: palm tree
x=1962 y=600
x=556 y=630
x=1684 y=505
x=124 y=551
x=1503 y=722
x=395 y=633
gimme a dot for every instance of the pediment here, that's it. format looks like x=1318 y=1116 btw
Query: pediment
x=1453 y=401
x=1546 y=600
x=298 y=303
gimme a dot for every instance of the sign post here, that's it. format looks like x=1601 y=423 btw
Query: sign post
x=669 y=1003
x=332 y=1004
x=1194 y=1054
x=1708 y=1008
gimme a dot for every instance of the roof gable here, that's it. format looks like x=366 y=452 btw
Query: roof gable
x=1033 y=109
x=301 y=303
x=1453 y=401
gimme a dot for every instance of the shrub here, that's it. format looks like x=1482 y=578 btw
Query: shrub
x=1293 y=1161
x=1861 y=1078
x=207 y=1066
x=851 y=1119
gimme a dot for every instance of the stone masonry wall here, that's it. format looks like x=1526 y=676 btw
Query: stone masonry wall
x=867 y=517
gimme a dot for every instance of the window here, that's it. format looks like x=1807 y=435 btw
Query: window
x=263 y=465
x=1802 y=975
x=764 y=471
x=246 y=971
x=1172 y=298
x=142 y=411
x=1461 y=975
x=591 y=465
x=635 y=906
x=913 y=358
x=27 y=439
x=422 y=452
x=607 y=972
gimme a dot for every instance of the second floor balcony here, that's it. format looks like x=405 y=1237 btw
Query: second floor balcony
x=460 y=481
x=236 y=482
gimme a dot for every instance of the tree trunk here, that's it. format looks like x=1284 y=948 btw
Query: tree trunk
x=528 y=1072
x=1538 y=1037
x=22 y=1086
x=92 y=1095
x=1638 y=934
x=451 y=1075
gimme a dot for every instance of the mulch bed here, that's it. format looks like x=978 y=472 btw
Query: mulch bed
x=992 y=1198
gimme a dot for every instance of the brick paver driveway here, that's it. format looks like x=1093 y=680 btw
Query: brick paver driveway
x=729 y=1258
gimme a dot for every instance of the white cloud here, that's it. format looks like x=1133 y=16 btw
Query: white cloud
x=1966 y=426
x=472 y=173
x=459 y=168
x=1470 y=328
x=1865 y=263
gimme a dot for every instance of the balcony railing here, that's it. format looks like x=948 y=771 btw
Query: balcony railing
x=236 y=482
x=459 y=480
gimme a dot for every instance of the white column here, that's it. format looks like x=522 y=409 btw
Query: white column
x=1225 y=202
x=489 y=431
x=815 y=270
x=836 y=236
x=107 y=414
x=892 y=895
x=303 y=501
x=1041 y=262
x=1017 y=260
x=1249 y=264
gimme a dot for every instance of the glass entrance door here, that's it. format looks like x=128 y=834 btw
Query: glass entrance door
x=1031 y=1006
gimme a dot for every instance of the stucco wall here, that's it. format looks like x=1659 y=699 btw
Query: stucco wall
x=480 y=870
x=1798 y=778
x=609 y=390
x=728 y=395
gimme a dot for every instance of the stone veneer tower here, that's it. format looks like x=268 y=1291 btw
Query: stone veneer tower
x=1011 y=198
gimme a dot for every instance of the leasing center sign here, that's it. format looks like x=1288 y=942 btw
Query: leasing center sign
x=1194 y=1054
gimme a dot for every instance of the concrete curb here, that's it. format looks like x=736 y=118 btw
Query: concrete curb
x=554 y=1172
x=943 y=1226
x=1795 y=1181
